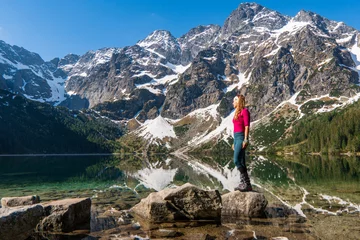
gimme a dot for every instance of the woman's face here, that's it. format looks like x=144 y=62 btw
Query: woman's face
x=235 y=102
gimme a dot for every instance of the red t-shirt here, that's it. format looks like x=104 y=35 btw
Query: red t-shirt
x=242 y=121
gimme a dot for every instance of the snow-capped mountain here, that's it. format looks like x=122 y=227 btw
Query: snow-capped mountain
x=196 y=40
x=163 y=44
x=259 y=52
x=26 y=73
x=251 y=16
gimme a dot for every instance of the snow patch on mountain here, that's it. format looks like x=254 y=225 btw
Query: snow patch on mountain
x=57 y=90
x=171 y=79
x=142 y=73
x=243 y=80
x=355 y=54
x=7 y=76
x=149 y=88
x=16 y=65
x=324 y=62
x=156 y=128
x=154 y=82
x=154 y=52
x=207 y=112
x=223 y=131
x=273 y=52
x=344 y=40
x=71 y=93
x=338 y=25
x=291 y=28
x=178 y=68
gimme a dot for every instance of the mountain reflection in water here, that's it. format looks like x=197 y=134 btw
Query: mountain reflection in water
x=328 y=185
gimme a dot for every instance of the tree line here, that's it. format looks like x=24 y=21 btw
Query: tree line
x=31 y=127
x=332 y=132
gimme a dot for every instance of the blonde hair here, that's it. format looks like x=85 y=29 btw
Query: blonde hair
x=239 y=106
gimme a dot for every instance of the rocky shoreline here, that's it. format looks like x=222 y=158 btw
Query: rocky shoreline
x=185 y=212
x=20 y=217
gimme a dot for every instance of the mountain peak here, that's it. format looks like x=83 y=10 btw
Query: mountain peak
x=69 y=59
x=322 y=23
x=157 y=37
x=250 y=15
x=306 y=16
x=164 y=43
x=251 y=5
x=18 y=54
x=198 y=30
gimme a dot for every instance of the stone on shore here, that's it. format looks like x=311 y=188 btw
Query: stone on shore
x=19 y=201
x=19 y=222
x=187 y=202
x=66 y=215
x=243 y=204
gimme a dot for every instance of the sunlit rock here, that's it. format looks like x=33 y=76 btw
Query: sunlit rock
x=19 y=222
x=66 y=215
x=183 y=203
x=19 y=201
x=246 y=204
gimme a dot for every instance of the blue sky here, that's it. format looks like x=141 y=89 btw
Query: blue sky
x=54 y=28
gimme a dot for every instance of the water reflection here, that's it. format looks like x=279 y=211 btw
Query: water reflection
x=323 y=184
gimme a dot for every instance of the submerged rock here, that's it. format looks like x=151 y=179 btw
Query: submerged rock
x=19 y=201
x=165 y=233
x=109 y=219
x=247 y=204
x=187 y=202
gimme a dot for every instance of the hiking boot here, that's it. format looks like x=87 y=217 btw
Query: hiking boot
x=244 y=185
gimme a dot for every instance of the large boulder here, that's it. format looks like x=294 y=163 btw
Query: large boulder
x=66 y=215
x=196 y=203
x=183 y=203
x=19 y=201
x=243 y=204
x=19 y=222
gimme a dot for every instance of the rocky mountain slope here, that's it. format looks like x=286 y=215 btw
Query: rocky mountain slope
x=261 y=53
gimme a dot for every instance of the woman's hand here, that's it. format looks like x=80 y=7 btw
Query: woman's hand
x=245 y=144
x=232 y=146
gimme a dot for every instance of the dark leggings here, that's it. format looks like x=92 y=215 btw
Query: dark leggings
x=239 y=152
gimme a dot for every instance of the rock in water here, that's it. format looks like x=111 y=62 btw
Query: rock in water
x=183 y=203
x=19 y=222
x=197 y=203
x=247 y=204
x=66 y=215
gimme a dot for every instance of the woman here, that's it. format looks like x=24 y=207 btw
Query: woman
x=241 y=123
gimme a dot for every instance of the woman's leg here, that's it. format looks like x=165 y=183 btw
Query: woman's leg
x=242 y=157
x=239 y=160
x=237 y=149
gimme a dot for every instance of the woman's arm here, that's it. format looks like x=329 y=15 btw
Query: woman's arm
x=246 y=116
x=246 y=138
